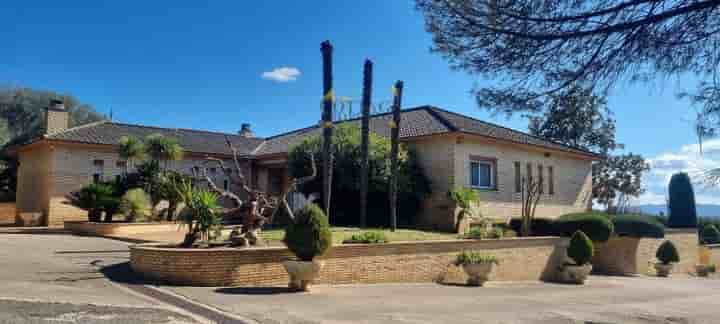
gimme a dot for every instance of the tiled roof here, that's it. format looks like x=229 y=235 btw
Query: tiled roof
x=420 y=121
x=191 y=140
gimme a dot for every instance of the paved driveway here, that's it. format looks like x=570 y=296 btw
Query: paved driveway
x=52 y=277
x=603 y=300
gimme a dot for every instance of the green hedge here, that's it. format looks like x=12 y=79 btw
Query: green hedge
x=640 y=226
x=538 y=227
x=597 y=226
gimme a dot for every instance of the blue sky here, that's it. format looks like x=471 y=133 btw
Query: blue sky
x=216 y=66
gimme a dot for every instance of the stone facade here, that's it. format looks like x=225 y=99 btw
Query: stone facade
x=429 y=261
x=446 y=161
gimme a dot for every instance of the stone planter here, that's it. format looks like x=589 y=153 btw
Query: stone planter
x=616 y=257
x=478 y=273
x=575 y=274
x=663 y=270
x=302 y=273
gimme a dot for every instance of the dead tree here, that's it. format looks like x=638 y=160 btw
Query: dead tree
x=365 y=144
x=394 y=150
x=530 y=196
x=292 y=186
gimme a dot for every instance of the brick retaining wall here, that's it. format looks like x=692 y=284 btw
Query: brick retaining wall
x=7 y=213
x=427 y=261
x=686 y=242
x=118 y=229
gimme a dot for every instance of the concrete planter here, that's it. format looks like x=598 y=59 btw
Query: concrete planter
x=478 y=273
x=663 y=270
x=575 y=274
x=617 y=256
x=302 y=273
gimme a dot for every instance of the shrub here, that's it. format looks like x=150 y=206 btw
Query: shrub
x=580 y=249
x=710 y=235
x=309 y=235
x=595 y=225
x=681 y=205
x=474 y=257
x=482 y=233
x=667 y=253
x=136 y=206
x=639 y=226
x=539 y=226
x=95 y=198
x=374 y=237
x=413 y=185
x=200 y=213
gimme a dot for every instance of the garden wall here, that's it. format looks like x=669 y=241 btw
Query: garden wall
x=427 y=261
x=686 y=242
x=714 y=254
x=7 y=213
x=118 y=229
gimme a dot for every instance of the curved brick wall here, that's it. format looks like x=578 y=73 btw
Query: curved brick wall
x=112 y=229
x=428 y=261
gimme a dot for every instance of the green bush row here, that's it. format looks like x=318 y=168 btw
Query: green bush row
x=598 y=226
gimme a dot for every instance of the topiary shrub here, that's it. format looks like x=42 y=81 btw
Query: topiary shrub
x=373 y=237
x=667 y=253
x=710 y=235
x=474 y=257
x=596 y=226
x=580 y=249
x=638 y=226
x=540 y=226
x=681 y=205
x=309 y=235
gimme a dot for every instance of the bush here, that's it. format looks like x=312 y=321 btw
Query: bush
x=538 y=227
x=413 y=185
x=374 y=237
x=580 y=249
x=474 y=257
x=200 y=213
x=136 y=206
x=681 y=205
x=482 y=233
x=639 y=226
x=710 y=235
x=309 y=236
x=96 y=198
x=667 y=253
x=596 y=226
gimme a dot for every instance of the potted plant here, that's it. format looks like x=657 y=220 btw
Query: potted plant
x=307 y=237
x=667 y=254
x=477 y=266
x=581 y=252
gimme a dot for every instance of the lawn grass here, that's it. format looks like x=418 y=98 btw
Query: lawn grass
x=342 y=233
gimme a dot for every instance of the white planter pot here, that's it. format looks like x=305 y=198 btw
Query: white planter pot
x=478 y=273
x=663 y=270
x=575 y=274
x=302 y=273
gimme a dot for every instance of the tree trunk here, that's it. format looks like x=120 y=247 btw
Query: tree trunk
x=94 y=215
x=328 y=95
x=364 y=145
x=394 y=147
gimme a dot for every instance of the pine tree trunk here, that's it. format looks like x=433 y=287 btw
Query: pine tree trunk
x=364 y=145
x=394 y=138
x=328 y=94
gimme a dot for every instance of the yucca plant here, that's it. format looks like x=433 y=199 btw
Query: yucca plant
x=464 y=198
x=200 y=214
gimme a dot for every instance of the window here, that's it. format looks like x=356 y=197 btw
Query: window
x=551 y=181
x=540 y=179
x=226 y=185
x=99 y=166
x=482 y=173
x=518 y=178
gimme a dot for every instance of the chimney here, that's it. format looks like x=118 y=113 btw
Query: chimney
x=245 y=131
x=56 y=117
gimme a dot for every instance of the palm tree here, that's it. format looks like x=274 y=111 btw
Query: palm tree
x=131 y=149
x=163 y=148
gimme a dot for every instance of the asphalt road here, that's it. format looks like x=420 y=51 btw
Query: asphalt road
x=48 y=277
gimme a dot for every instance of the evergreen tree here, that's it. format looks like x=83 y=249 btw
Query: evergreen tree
x=681 y=206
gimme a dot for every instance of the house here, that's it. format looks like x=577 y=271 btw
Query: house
x=453 y=150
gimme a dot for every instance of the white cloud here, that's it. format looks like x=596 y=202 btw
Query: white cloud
x=282 y=74
x=686 y=159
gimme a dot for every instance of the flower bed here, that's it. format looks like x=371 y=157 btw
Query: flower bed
x=532 y=258
x=118 y=229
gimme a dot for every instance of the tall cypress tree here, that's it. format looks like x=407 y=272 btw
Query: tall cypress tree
x=681 y=206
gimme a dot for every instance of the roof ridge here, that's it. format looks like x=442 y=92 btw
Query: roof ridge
x=512 y=130
x=181 y=129
x=95 y=123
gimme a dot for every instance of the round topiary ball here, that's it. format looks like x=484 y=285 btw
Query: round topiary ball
x=309 y=235
x=580 y=249
x=710 y=235
x=667 y=253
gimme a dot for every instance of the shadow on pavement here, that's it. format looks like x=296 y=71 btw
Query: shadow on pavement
x=122 y=273
x=33 y=230
x=255 y=290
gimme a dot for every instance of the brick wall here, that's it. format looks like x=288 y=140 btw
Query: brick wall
x=7 y=213
x=520 y=259
x=119 y=229
x=686 y=242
